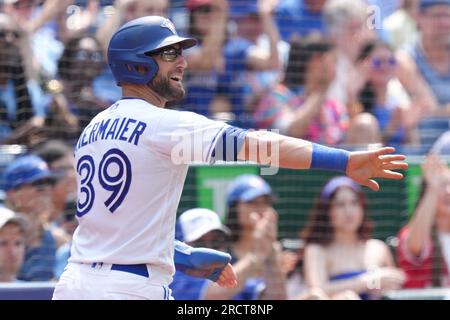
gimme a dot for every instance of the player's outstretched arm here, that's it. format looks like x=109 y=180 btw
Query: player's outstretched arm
x=361 y=166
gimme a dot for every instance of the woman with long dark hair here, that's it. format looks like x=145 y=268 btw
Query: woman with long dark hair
x=340 y=253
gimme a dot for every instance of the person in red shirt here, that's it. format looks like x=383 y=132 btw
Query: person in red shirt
x=424 y=243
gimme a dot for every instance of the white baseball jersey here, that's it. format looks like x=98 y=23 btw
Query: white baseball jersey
x=132 y=161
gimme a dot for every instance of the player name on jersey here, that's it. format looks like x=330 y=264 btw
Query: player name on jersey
x=125 y=129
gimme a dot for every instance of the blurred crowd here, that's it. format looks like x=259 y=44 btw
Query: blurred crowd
x=338 y=72
x=347 y=73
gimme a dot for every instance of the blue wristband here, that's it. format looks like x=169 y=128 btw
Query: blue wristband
x=329 y=158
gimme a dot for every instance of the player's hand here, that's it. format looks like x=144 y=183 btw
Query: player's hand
x=204 y=263
x=362 y=166
x=223 y=276
x=227 y=278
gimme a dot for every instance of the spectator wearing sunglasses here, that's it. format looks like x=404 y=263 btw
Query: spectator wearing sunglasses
x=384 y=97
x=75 y=101
x=28 y=185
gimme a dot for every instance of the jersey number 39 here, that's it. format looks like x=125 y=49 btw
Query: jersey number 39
x=114 y=175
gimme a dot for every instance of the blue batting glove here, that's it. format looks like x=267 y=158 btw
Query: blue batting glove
x=200 y=262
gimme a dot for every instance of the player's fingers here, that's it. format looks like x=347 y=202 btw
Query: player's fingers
x=371 y=184
x=394 y=166
x=384 y=150
x=388 y=174
x=223 y=282
x=393 y=157
x=228 y=277
x=228 y=284
x=229 y=272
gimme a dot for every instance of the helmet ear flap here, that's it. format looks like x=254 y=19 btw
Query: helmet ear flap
x=153 y=70
x=138 y=72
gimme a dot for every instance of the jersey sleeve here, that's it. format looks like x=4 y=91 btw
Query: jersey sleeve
x=187 y=137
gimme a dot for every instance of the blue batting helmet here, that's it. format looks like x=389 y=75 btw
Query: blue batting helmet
x=128 y=47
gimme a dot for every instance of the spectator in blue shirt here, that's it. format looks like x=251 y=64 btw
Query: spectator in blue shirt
x=424 y=69
x=207 y=23
x=299 y=17
x=244 y=80
x=28 y=186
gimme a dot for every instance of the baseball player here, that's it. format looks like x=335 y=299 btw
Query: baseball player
x=132 y=160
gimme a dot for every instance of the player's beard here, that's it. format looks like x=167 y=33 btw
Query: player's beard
x=161 y=85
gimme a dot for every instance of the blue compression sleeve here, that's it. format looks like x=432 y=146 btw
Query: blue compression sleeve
x=329 y=158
